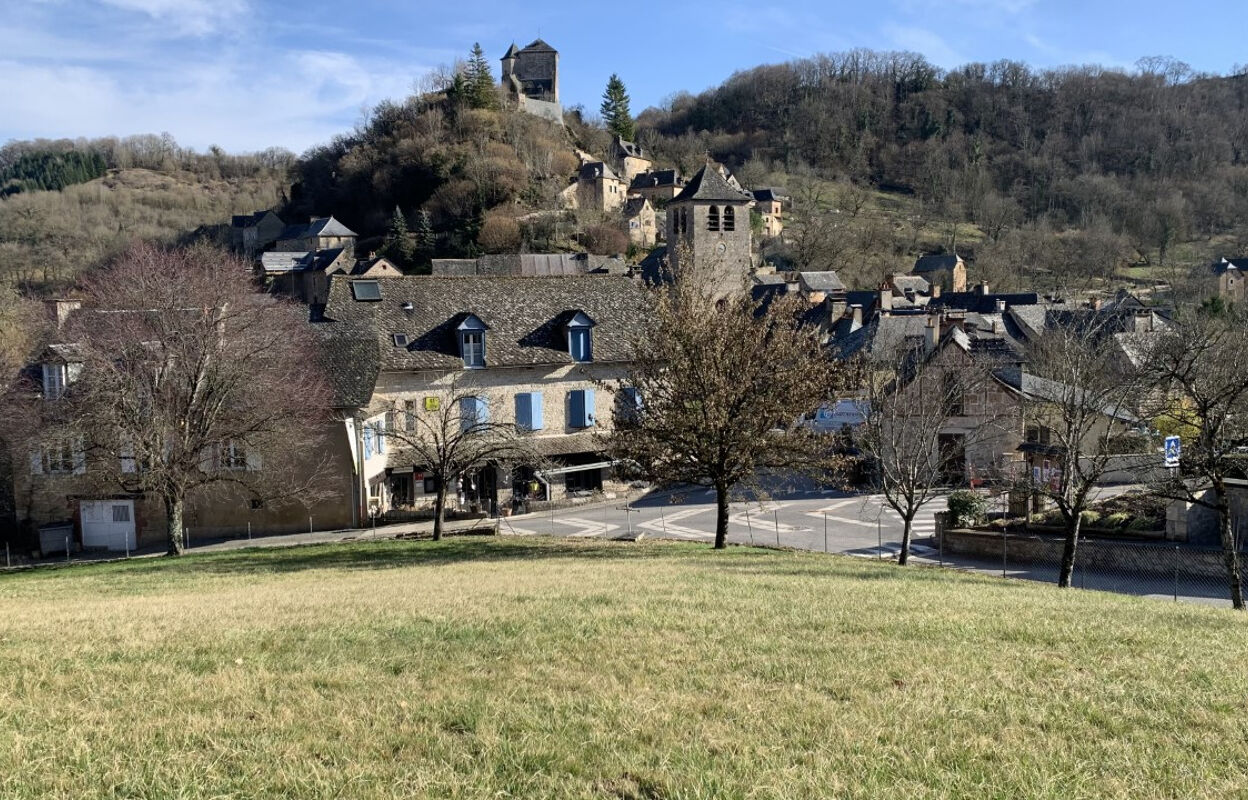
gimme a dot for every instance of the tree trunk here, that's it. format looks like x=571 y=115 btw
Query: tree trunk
x=439 y=510
x=173 y=517
x=721 y=517
x=1067 y=572
x=907 y=525
x=1230 y=552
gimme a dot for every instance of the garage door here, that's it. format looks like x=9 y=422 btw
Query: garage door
x=108 y=524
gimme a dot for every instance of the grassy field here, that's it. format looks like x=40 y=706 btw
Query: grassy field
x=482 y=668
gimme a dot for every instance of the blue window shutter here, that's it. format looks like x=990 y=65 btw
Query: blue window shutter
x=524 y=411
x=576 y=408
x=368 y=441
x=536 y=409
x=579 y=344
x=529 y=411
x=589 y=408
x=483 y=411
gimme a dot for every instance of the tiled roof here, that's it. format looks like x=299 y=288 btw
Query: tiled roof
x=281 y=261
x=1223 y=264
x=709 y=184
x=635 y=206
x=328 y=226
x=983 y=303
x=538 y=46
x=827 y=281
x=523 y=315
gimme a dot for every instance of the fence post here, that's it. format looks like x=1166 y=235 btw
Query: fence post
x=309 y=523
x=879 y=538
x=8 y=560
x=825 y=531
x=1176 y=573
x=249 y=530
x=186 y=536
x=749 y=526
x=1005 y=558
x=775 y=515
x=663 y=521
x=604 y=519
x=66 y=549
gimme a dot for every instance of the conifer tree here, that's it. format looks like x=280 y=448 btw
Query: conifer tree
x=615 y=110
x=398 y=246
x=481 y=92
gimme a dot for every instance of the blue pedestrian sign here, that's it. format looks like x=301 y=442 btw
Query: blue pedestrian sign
x=1172 y=451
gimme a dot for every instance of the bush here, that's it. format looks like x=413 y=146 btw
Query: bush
x=966 y=508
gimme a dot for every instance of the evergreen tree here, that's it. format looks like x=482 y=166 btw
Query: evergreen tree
x=615 y=110
x=426 y=241
x=481 y=92
x=398 y=245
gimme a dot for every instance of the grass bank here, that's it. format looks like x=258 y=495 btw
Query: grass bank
x=533 y=668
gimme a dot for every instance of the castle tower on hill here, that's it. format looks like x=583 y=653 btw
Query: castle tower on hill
x=531 y=79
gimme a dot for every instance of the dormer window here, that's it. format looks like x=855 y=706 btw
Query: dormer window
x=580 y=337
x=53 y=381
x=472 y=342
x=712 y=218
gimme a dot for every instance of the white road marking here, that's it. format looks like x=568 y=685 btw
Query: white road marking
x=588 y=527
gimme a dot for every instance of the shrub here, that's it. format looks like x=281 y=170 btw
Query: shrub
x=966 y=508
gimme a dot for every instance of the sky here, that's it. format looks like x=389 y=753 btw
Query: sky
x=250 y=74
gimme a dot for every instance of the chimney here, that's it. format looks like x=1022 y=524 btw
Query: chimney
x=931 y=333
x=886 y=300
x=857 y=311
x=1095 y=304
x=1143 y=322
x=61 y=309
x=996 y=326
x=935 y=290
x=1000 y=305
x=983 y=287
x=838 y=306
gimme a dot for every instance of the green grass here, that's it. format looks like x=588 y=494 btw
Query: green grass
x=530 y=668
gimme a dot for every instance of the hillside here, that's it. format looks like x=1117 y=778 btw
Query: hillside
x=480 y=668
x=150 y=189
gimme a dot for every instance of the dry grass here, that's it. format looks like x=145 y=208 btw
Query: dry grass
x=484 y=668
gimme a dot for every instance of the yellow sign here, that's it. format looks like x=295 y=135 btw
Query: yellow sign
x=432 y=404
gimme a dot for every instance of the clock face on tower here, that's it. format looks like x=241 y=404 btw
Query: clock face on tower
x=721 y=248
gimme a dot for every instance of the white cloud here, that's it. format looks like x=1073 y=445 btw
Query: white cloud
x=188 y=17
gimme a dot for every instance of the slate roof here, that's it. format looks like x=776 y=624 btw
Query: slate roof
x=913 y=283
x=635 y=206
x=596 y=169
x=827 y=281
x=281 y=261
x=768 y=195
x=935 y=263
x=655 y=178
x=524 y=316
x=881 y=336
x=1036 y=388
x=511 y=51
x=538 y=46
x=981 y=303
x=328 y=226
x=709 y=185
x=629 y=148
x=1223 y=264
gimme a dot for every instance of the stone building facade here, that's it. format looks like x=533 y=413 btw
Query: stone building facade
x=708 y=229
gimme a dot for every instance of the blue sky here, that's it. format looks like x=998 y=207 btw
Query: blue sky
x=249 y=74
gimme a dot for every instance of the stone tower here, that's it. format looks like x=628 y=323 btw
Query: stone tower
x=709 y=222
x=533 y=71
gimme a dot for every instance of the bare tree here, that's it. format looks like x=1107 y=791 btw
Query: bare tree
x=454 y=436
x=191 y=381
x=1078 y=399
x=1201 y=373
x=721 y=386
x=915 y=396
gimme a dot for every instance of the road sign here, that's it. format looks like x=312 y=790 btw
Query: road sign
x=1172 y=451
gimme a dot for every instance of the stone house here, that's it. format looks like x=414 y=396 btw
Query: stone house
x=709 y=221
x=769 y=203
x=323 y=233
x=1231 y=277
x=252 y=233
x=543 y=353
x=598 y=188
x=657 y=186
x=629 y=158
x=56 y=486
x=642 y=222
x=946 y=271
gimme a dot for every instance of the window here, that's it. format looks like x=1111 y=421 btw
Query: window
x=53 y=381
x=473 y=413
x=712 y=218
x=730 y=219
x=366 y=290
x=121 y=512
x=400 y=340
x=472 y=341
x=368 y=441
x=473 y=348
x=684 y=220
x=233 y=456
x=59 y=456
x=581 y=408
x=529 y=411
